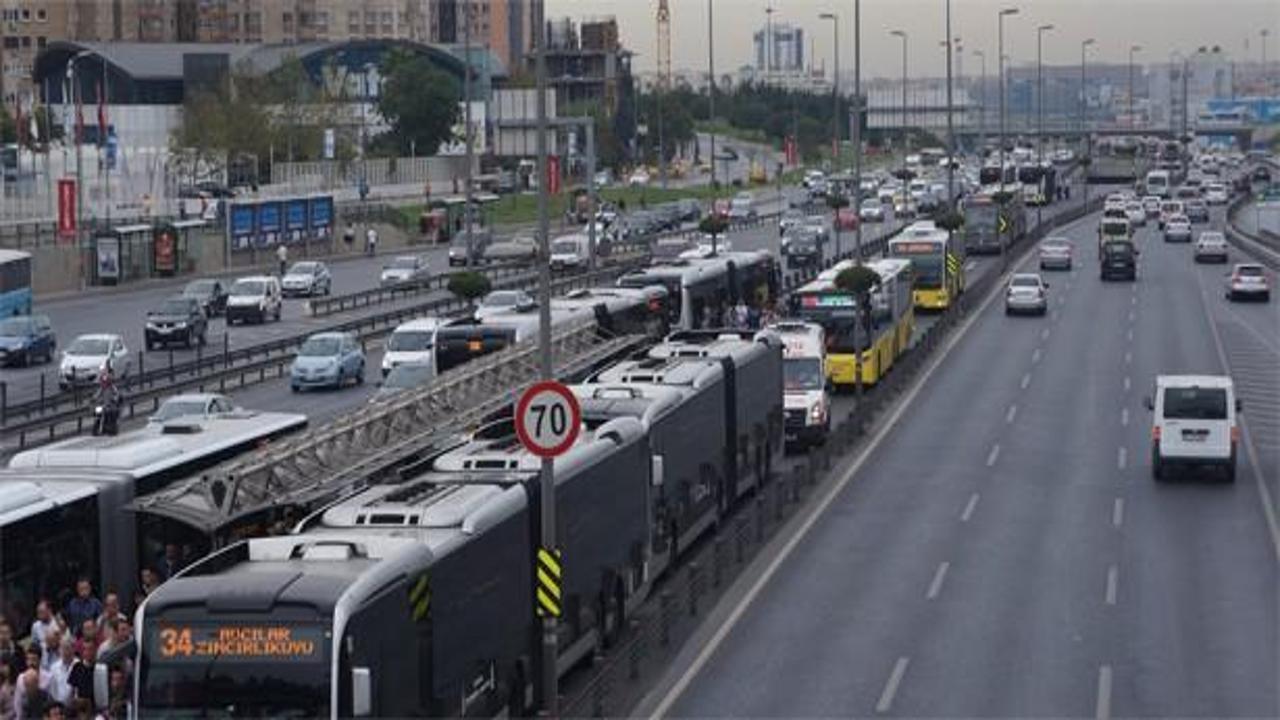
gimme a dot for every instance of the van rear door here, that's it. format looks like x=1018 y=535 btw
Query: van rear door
x=1196 y=422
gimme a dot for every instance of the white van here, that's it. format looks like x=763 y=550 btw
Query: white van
x=570 y=252
x=254 y=298
x=412 y=343
x=1195 y=424
x=1158 y=183
x=806 y=400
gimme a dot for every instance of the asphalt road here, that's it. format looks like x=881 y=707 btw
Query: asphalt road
x=1004 y=551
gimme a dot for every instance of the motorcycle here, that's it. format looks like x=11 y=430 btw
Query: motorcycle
x=106 y=420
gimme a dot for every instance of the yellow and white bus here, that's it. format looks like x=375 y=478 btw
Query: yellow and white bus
x=936 y=260
x=881 y=335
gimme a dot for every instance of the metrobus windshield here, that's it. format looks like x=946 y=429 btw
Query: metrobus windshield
x=927 y=262
x=233 y=669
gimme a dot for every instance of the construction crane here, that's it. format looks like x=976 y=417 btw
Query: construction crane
x=664 y=45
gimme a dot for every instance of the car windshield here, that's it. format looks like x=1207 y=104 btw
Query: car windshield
x=1118 y=248
x=89 y=346
x=564 y=247
x=249 y=287
x=1025 y=281
x=403 y=377
x=303 y=268
x=1249 y=271
x=1212 y=238
x=320 y=347
x=1195 y=403
x=18 y=326
x=179 y=408
x=410 y=341
x=174 y=307
x=803 y=374
x=502 y=298
x=403 y=263
x=199 y=287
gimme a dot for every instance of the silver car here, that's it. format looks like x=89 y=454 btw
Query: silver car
x=309 y=277
x=1211 y=247
x=1027 y=293
x=1055 y=254
x=1177 y=229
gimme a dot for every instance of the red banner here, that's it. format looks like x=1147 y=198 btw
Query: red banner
x=553 y=175
x=66 y=208
x=791 y=151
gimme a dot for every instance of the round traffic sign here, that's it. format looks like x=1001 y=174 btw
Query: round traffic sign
x=548 y=419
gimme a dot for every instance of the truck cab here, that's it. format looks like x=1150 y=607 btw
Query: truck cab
x=806 y=394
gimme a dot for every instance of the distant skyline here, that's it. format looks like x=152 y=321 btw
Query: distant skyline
x=1161 y=27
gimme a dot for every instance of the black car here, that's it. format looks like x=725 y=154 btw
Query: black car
x=1119 y=261
x=1261 y=175
x=211 y=293
x=179 y=319
x=803 y=248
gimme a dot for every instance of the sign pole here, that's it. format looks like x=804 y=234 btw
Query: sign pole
x=547 y=496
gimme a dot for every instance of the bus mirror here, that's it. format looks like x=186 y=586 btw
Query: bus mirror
x=101 y=685
x=361 y=692
x=656 y=470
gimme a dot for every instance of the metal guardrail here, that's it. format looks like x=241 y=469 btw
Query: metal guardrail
x=1260 y=246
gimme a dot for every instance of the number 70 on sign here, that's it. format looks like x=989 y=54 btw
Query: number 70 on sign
x=548 y=419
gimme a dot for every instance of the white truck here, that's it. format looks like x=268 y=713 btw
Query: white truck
x=806 y=398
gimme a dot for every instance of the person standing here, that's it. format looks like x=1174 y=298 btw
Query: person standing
x=60 y=672
x=44 y=623
x=84 y=606
x=371 y=241
x=10 y=654
x=349 y=236
x=282 y=256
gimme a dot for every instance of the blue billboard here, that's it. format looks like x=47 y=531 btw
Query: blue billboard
x=243 y=219
x=295 y=220
x=268 y=223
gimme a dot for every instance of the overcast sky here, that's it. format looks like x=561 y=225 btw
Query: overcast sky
x=1160 y=26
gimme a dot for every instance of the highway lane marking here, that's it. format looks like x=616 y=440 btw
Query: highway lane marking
x=969 y=266
x=1264 y=493
x=1127 y=383
x=1124 y=417
x=1129 y=335
x=1102 y=711
x=993 y=455
x=1128 y=358
x=1026 y=380
x=663 y=705
x=968 y=509
x=1044 y=334
x=1113 y=579
x=891 y=687
x=1123 y=458
x=935 y=587
x=1133 y=300
x=1117 y=512
x=1035 y=356
x=1010 y=414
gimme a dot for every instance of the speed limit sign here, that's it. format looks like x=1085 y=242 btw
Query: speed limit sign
x=548 y=419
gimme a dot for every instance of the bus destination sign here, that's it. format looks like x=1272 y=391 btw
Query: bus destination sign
x=235 y=642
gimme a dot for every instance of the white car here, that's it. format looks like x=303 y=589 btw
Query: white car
x=1177 y=229
x=1136 y=213
x=1194 y=424
x=1151 y=204
x=504 y=301
x=201 y=406
x=1027 y=293
x=411 y=343
x=639 y=178
x=1216 y=194
x=88 y=355
x=403 y=269
x=1211 y=247
x=742 y=207
x=1249 y=281
x=872 y=210
x=309 y=277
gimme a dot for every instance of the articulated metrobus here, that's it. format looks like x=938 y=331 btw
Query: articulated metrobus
x=936 y=261
x=982 y=232
x=881 y=337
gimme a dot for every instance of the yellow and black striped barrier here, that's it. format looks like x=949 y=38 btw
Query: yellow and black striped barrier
x=549 y=573
x=420 y=598
x=953 y=264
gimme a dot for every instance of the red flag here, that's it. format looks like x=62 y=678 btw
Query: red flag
x=102 y=115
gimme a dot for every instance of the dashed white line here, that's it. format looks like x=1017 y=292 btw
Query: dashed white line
x=1131 y=316
x=993 y=455
x=1010 y=414
x=1035 y=356
x=1130 y=335
x=1117 y=512
x=1133 y=300
x=969 y=266
x=1044 y=334
x=935 y=587
x=1123 y=459
x=1102 y=711
x=1124 y=417
x=1026 y=380
x=1128 y=358
x=968 y=509
x=1127 y=383
x=891 y=687
x=1113 y=579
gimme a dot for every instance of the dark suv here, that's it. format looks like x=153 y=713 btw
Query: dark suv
x=1119 y=261
x=180 y=319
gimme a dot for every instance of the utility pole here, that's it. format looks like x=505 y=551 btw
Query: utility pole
x=711 y=84
x=856 y=132
x=1084 y=115
x=1004 y=254
x=951 y=128
x=903 y=34
x=982 y=103
x=835 y=88
x=469 y=211
x=547 y=482
x=1132 y=118
x=1040 y=31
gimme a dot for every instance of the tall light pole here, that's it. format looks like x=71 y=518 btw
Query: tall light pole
x=1263 y=33
x=711 y=85
x=1133 y=120
x=835 y=88
x=1005 y=12
x=1040 y=31
x=470 y=139
x=903 y=34
x=951 y=128
x=1084 y=115
x=856 y=131
x=982 y=103
x=768 y=42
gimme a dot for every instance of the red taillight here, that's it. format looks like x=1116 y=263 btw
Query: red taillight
x=1155 y=433
x=1235 y=434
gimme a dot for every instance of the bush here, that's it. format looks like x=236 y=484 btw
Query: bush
x=948 y=220
x=837 y=201
x=713 y=225
x=469 y=285
x=857 y=280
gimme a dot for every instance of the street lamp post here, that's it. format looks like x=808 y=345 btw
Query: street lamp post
x=835 y=87
x=711 y=85
x=902 y=34
x=982 y=103
x=468 y=135
x=856 y=130
x=1084 y=115
x=1005 y=12
x=1133 y=120
x=1040 y=31
x=951 y=128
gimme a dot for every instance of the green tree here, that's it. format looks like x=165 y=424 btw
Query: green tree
x=419 y=101
x=8 y=128
x=715 y=226
x=469 y=285
x=858 y=281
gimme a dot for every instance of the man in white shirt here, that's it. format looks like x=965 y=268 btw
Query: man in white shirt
x=60 y=673
x=45 y=621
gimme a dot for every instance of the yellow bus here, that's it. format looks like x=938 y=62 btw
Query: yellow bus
x=936 y=261
x=881 y=335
